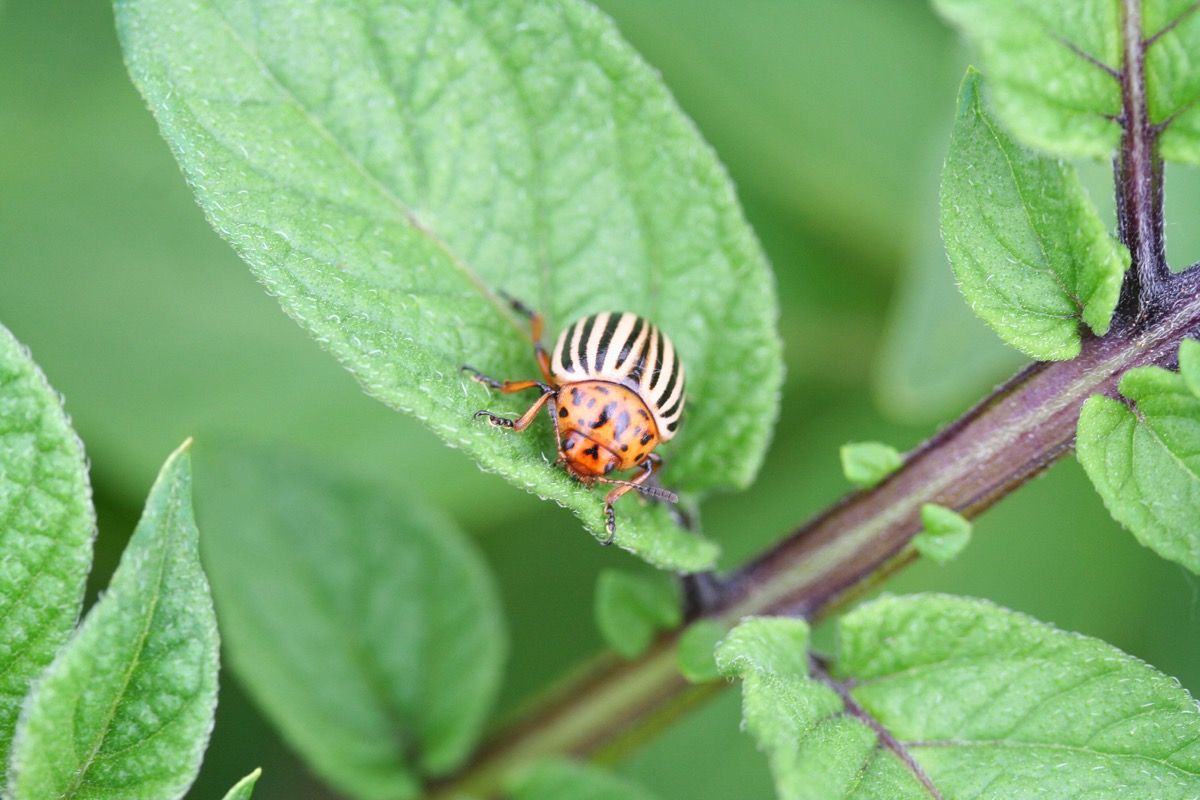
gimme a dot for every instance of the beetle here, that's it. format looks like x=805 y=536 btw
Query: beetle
x=614 y=388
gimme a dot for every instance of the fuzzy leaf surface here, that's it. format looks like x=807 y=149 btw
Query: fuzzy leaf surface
x=387 y=168
x=46 y=529
x=569 y=780
x=976 y=701
x=632 y=607
x=1050 y=65
x=374 y=642
x=1145 y=461
x=125 y=709
x=1030 y=253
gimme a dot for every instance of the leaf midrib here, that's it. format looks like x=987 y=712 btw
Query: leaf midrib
x=82 y=771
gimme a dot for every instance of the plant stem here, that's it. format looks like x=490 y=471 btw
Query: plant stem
x=1138 y=173
x=1015 y=433
x=1007 y=439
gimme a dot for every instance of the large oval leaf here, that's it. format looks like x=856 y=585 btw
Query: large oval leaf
x=388 y=167
x=365 y=626
x=46 y=529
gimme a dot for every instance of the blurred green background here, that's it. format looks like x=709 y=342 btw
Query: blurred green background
x=832 y=118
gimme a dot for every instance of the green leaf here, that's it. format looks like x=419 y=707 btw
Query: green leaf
x=867 y=463
x=46 y=533
x=695 y=655
x=365 y=625
x=632 y=607
x=569 y=780
x=1031 y=256
x=1172 y=80
x=125 y=709
x=937 y=696
x=1043 y=87
x=1050 y=64
x=1189 y=364
x=1145 y=463
x=944 y=533
x=386 y=170
x=243 y=789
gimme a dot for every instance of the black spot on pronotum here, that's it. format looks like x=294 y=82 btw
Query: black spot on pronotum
x=576 y=396
x=603 y=390
x=621 y=424
x=591 y=402
x=605 y=415
x=593 y=451
x=647 y=437
x=624 y=448
x=562 y=412
x=642 y=413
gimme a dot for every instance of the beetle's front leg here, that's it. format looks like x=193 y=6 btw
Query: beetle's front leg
x=523 y=421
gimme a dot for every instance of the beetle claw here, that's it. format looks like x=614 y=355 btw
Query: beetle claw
x=610 y=524
x=499 y=422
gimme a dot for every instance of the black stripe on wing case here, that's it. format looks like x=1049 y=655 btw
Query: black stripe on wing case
x=582 y=353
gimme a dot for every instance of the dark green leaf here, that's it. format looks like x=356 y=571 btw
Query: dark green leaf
x=1030 y=253
x=46 y=529
x=125 y=709
x=366 y=626
x=631 y=607
x=937 y=696
x=867 y=463
x=944 y=533
x=1145 y=460
x=387 y=169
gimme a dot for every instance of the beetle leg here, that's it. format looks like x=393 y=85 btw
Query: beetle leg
x=536 y=324
x=523 y=421
x=610 y=516
x=505 y=387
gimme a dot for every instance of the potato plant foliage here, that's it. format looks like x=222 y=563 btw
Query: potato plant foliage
x=391 y=171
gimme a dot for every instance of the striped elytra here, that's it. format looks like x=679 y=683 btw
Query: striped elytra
x=614 y=389
x=629 y=350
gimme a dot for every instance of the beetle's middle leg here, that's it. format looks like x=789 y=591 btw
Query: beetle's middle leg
x=504 y=387
x=536 y=325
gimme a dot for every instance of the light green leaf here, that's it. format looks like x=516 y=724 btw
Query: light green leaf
x=867 y=463
x=1031 y=256
x=1172 y=80
x=1189 y=364
x=46 y=529
x=937 y=696
x=365 y=625
x=125 y=709
x=1043 y=87
x=1145 y=461
x=697 y=662
x=243 y=789
x=632 y=607
x=387 y=168
x=944 y=533
x=569 y=780
x=1050 y=65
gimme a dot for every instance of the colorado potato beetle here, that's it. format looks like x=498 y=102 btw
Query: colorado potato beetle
x=614 y=388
